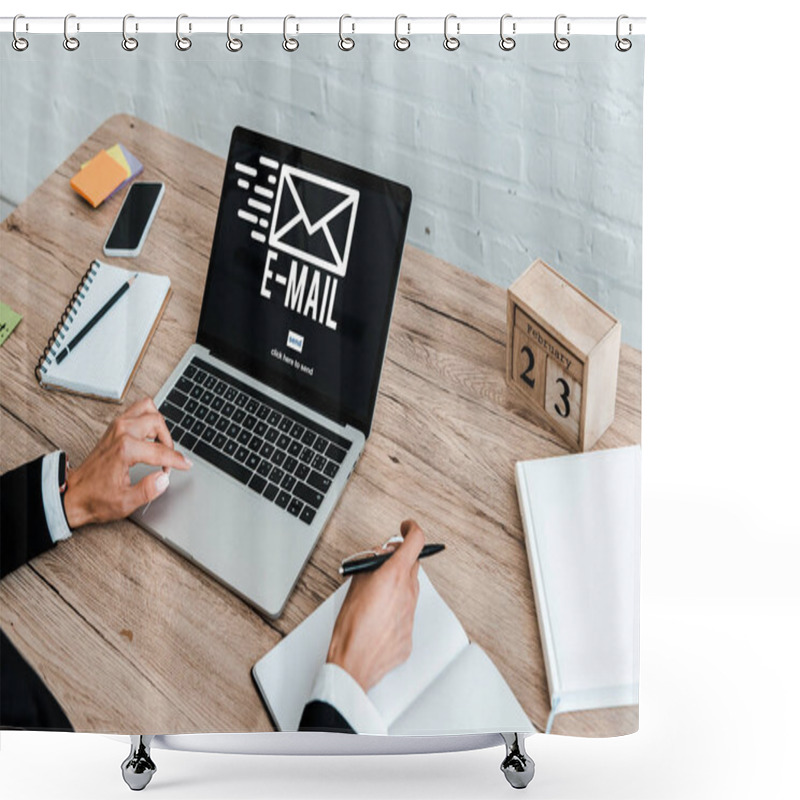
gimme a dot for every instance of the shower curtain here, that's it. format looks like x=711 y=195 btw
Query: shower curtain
x=334 y=230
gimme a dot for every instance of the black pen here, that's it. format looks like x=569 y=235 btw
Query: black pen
x=95 y=319
x=370 y=563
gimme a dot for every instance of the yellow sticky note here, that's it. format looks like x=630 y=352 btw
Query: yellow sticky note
x=116 y=153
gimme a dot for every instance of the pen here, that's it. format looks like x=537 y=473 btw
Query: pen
x=370 y=563
x=95 y=319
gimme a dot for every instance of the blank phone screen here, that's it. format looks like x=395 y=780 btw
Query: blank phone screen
x=133 y=217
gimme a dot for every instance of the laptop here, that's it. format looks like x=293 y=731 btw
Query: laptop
x=273 y=403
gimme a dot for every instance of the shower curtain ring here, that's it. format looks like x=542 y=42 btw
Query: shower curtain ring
x=289 y=44
x=451 y=42
x=346 y=42
x=401 y=42
x=561 y=43
x=128 y=42
x=71 y=43
x=507 y=42
x=18 y=43
x=233 y=44
x=623 y=45
x=183 y=43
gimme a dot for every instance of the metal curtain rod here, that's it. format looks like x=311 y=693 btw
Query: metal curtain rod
x=407 y=26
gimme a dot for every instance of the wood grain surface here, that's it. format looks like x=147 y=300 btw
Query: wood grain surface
x=131 y=637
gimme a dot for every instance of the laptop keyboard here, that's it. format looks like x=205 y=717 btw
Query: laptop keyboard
x=274 y=451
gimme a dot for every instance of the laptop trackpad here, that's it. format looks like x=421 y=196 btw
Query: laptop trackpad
x=246 y=542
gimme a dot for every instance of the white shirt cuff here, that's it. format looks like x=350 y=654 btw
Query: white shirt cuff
x=338 y=688
x=51 y=497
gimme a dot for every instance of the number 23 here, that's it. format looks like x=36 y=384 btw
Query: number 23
x=530 y=381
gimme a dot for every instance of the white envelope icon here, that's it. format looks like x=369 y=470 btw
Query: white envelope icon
x=314 y=219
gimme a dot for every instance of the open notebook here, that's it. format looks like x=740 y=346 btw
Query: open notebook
x=104 y=362
x=447 y=685
x=582 y=518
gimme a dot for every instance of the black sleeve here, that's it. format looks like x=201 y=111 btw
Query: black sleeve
x=319 y=716
x=23 y=526
x=25 y=702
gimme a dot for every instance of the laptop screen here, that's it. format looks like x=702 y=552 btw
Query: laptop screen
x=303 y=272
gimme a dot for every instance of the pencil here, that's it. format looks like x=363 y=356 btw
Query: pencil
x=95 y=319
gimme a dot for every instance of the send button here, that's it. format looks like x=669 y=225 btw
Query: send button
x=295 y=341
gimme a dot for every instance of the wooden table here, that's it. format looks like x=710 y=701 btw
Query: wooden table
x=128 y=635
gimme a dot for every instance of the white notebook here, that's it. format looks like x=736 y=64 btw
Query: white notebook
x=103 y=363
x=582 y=520
x=446 y=686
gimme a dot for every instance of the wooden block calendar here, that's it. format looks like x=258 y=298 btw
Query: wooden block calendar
x=562 y=355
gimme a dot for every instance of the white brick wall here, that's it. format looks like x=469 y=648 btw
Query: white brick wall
x=510 y=155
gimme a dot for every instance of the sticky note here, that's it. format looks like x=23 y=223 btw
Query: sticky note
x=133 y=164
x=116 y=153
x=127 y=160
x=8 y=321
x=99 y=178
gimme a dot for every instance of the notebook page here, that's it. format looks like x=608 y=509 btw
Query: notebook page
x=287 y=673
x=585 y=526
x=103 y=361
x=438 y=638
x=470 y=696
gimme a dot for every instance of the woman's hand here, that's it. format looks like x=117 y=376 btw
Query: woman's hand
x=372 y=634
x=100 y=489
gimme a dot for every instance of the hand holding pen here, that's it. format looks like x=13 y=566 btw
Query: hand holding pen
x=370 y=560
x=372 y=634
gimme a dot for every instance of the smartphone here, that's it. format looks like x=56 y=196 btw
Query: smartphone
x=134 y=219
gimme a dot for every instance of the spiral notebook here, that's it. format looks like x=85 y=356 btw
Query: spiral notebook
x=104 y=363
